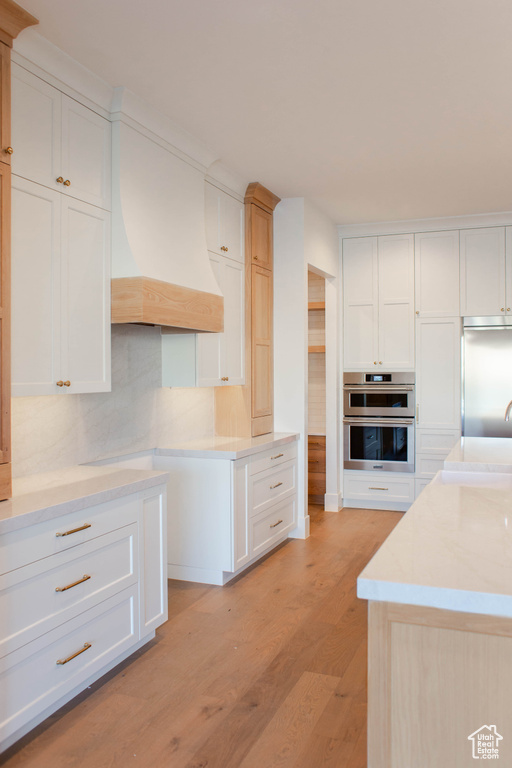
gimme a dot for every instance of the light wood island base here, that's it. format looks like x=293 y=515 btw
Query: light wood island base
x=434 y=678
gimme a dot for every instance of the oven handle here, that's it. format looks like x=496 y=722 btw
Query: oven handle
x=380 y=388
x=362 y=421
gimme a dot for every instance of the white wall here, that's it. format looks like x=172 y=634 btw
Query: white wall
x=58 y=431
x=304 y=237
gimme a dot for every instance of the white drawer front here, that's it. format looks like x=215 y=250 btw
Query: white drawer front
x=273 y=524
x=427 y=466
x=31 y=679
x=42 y=540
x=381 y=488
x=435 y=442
x=266 y=488
x=29 y=598
x=273 y=457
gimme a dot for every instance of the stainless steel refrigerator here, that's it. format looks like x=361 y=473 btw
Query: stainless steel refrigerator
x=487 y=376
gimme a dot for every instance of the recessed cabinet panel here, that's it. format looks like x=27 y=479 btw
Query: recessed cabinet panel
x=436 y=256
x=482 y=253
x=232 y=227
x=396 y=302
x=438 y=373
x=36 y=346
x=233 y=281
x=261 y=237
x=36 y=128
x=86 y=150
x=396 y=336
x=262 y=369
x=209 y=344
x=5 y=102
x=360 y=292
x=360 y=339
x=86 y=297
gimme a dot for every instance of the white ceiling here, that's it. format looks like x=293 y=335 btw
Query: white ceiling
x=376 y=109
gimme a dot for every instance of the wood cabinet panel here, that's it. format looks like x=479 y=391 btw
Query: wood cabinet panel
x=261 y=237
x=5 y=103
x=262 y=363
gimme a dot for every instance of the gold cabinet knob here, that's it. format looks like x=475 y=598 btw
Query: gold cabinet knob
x=60 y=180
x=225 y=378
x=375 y=362
x=224 y=248
x=67 y=383
x=8 y=150
x=380 y=362
x=417 y=311
x=255 y=258
x=67 y=183
x=503 y=309
x=60 y=383
x=508 y=309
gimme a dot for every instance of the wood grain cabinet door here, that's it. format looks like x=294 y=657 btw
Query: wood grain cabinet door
x=261 y=237
x=262 y=297
x=5 y=104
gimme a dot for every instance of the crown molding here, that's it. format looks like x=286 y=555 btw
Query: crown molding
x=425 y=225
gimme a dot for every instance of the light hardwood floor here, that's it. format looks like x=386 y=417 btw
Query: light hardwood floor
x=268 y=671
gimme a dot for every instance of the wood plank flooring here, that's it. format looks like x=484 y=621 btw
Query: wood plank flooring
x=269 y=670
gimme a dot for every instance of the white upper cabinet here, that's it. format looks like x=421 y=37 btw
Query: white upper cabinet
x=224 y=223
x=482 y=272
x=60 y=293
x=438 y=373
x=360 y=291
x=58 y=142
x=378 y=280
x=436 y=258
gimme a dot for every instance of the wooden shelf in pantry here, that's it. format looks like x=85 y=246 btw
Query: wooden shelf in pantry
x=316 y=305
x=318 y=349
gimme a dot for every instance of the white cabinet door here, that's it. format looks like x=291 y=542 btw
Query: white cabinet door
x=36 y=264
x=360 y=292
x=396 y=302
x=233 y=342
x=58 y=142
x=436 y=262
x=36 y=129
x=85 y=297
x=438 y=343
x=240 y=522
x=482 y=272
x=153 y=574
x=86 y=152
x=224 y=221
x=209 y=345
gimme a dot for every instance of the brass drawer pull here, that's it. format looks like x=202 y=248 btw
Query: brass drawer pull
x=67 y=383
x=8 y=150
x=74 y=530
x=60 y=180
x=224 y=248
x=374 y=488
x=276 y=524
x=74 y=655
x=278 y=456
x=275 y=486
x=67 y=183
x=60 y=383
x=74 y=584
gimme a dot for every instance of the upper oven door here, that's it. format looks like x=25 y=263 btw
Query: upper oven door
x=378 y=401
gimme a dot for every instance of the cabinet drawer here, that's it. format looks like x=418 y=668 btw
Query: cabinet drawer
x=31 y=678
x=387 y=488
x=436 y=442
x=273 y=525
x=427 y=466
x=29 y=596
x=271 y=458
x=27 y=545
x=268 y=487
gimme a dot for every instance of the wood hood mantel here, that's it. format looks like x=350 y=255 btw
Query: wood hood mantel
x=155 y=302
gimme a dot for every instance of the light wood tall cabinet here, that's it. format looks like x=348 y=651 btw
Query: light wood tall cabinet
x=248 y=411
x=61 y=263
x=13 y=20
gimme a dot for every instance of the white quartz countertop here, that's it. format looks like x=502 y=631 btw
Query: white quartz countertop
x=452 y=550
x=481 y=454
x=227 y=447
x=37 y=498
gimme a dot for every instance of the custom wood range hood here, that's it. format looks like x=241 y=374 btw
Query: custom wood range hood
x=161 y=272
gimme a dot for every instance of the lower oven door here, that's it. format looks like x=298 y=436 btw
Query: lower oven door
x=379 y=444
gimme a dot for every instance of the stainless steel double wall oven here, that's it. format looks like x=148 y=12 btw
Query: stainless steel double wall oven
x=378 y=423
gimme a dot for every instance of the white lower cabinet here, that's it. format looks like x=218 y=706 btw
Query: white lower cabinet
x=60 y=293
x=77 y=594
x=224 y=514
x=377 y=490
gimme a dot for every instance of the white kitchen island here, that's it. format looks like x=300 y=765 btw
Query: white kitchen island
x=480 y=454
x=440 y=626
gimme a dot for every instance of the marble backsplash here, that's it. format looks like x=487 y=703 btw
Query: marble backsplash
x=58 y=431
